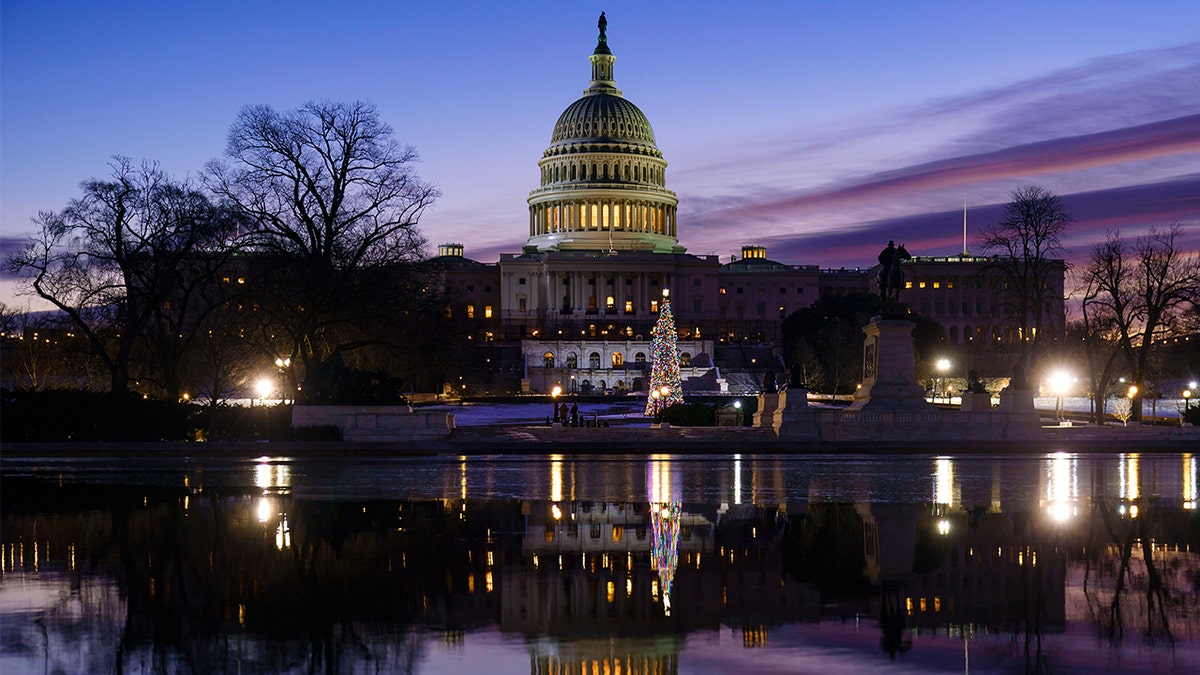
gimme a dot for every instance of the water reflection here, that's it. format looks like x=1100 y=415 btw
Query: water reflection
x=633 y=565
x=1062 y=487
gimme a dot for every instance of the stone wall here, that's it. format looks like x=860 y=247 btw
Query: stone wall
x=375 y=423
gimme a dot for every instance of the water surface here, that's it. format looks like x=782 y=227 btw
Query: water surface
x=615 y=564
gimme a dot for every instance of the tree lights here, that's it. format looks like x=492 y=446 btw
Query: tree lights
x=665 y=390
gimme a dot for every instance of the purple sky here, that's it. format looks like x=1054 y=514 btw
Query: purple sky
x=818 y=130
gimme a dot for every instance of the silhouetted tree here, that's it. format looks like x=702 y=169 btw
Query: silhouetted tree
x=1027 y=245
x=1143 y=291
x=334 y=204
x=826 y=339
x=120 y=261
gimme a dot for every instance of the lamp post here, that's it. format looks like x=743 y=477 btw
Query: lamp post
x=1187 y=405
x=554 y=401
x=283 y=363
x=662 y=393
x=943 y=366
x=264 y=387
x=1060 y=382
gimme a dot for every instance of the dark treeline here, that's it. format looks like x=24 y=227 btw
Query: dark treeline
x=291 y=270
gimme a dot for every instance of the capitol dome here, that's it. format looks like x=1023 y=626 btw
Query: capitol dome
x=603 y=179
x=603 y=118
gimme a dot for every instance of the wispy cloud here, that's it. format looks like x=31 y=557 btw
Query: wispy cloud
x=1131 y=208
x=1118 y=138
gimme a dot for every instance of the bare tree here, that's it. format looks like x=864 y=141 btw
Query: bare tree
x=334 y=205
x=1027 y=245
x=113 y=262
x=1147 y=289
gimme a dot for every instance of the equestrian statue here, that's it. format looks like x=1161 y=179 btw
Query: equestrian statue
x=891 y=278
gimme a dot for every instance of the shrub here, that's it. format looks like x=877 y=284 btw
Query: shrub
x=57 y=415
x=691 y=415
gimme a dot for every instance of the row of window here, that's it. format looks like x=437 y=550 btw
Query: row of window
x=967 y=283
x=964 y=308
x=617 y=360
x=602 y=171
x=616 y=216
x=761 y=291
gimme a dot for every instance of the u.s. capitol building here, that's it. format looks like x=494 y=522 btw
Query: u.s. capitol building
x=603 y=246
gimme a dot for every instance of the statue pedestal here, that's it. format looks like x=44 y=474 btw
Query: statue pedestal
x=889 y=369
x=1021 y=419
x=793 y=418
x=976 y=402
x=768 y=408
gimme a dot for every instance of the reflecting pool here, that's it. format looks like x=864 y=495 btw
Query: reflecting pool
x=601 y=565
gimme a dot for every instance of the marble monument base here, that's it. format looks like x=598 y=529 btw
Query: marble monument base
x=889 y=370
x=787 y=414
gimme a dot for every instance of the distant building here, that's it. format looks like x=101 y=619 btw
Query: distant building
x=577 y=303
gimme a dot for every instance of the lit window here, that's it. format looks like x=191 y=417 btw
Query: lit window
x=722 y=291
x=653 y=306
x=629 y=307
x=908 y=284
x=922 y=284
x=937 y=284
x=470 y=311
x=487 y=311
x=241 y=280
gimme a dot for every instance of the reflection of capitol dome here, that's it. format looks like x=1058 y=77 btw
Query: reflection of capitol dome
x=603 y=180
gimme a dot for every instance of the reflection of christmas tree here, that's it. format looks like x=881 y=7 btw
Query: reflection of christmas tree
x=664 y=551
x=665 y=390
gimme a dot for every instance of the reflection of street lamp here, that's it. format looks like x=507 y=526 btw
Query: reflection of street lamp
x=943 y=367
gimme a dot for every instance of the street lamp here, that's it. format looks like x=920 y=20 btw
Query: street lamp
x=1060 y=382
x=1187 y=401
x=554 y=401
x=943 y=367
x=264 y=387
x=283 y=363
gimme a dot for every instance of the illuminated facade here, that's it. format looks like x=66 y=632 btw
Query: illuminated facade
x=603 y=243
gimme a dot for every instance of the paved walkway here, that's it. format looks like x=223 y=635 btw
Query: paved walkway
x=500 y=438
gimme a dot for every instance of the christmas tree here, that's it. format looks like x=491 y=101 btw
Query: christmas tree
x=665 y=389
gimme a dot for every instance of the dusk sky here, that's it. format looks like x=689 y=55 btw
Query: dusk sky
x=819 y=130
